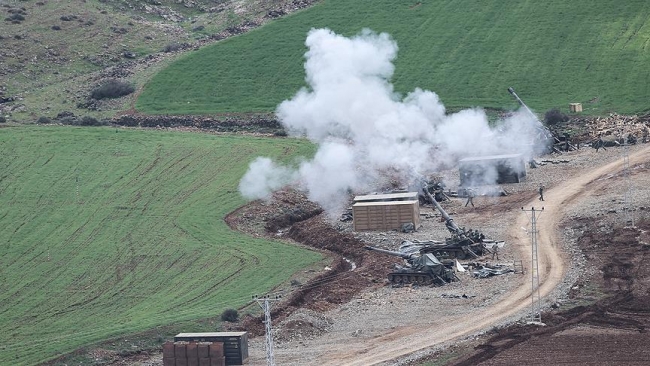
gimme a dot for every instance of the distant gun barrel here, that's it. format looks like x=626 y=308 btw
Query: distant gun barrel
x=543 y=132
x=521 y=102
x=389 y=252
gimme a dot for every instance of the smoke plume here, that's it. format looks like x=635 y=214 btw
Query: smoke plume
x=363 y=128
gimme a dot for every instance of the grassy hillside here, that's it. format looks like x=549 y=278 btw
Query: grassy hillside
x=553 y=53
x=105 y=233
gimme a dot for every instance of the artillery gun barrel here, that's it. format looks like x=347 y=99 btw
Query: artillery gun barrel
x=449 y=221
x=543 y=131
x=389 y=252
x=521 y=102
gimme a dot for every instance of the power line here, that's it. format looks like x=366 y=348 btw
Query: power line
x=627 y=197
x=536 y=306
x=264 y=303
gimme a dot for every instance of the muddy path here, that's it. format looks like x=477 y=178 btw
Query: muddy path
x=552 y=266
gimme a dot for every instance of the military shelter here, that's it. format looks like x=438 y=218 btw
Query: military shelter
x=485 y=170
x=385 y=211
x=235 y=344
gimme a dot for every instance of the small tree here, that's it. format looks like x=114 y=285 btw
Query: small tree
x=43 y=120
x=230 y=315
x=112 y=89
x=90 y=121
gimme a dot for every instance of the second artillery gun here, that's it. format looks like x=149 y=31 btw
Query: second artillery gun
x=461 y=245
x=421 y=269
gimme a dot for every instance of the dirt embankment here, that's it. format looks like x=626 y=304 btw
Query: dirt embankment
x=302 y=221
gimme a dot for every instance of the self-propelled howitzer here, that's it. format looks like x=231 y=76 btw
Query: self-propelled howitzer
x=420 y=269
x=461 y=245
x=449 y=222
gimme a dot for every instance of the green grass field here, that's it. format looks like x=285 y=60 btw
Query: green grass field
x=469 y=52
x=106 y=233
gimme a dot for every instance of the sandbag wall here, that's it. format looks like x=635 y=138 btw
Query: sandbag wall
x=184 y=353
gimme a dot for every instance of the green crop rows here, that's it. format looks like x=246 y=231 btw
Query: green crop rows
x=469 y=52
x=105 y=233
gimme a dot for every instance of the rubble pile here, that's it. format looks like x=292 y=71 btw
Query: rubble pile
x=618 y=126
x=303 y=324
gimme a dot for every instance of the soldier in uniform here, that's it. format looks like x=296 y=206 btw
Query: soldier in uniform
x=495 y=252
x=541 y=193
x=470 y=197
x=600 y=143
x=567 y=145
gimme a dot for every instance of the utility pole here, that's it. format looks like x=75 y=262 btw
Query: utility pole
x=627 y=199
x=536 y=306
x=264 y=303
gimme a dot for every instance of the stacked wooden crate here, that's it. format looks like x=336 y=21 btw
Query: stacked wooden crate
x=386 y=211
x=193 y=354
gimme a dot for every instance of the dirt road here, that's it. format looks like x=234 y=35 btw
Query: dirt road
x=552 y=265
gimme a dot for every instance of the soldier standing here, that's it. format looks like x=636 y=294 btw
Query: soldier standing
x=470 y=196
x=600 y=143
x=541 y=193
x=567 y=145
x=495 y=252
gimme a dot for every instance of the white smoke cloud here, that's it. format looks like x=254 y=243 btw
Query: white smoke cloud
x=263 y=177
x=362 y=127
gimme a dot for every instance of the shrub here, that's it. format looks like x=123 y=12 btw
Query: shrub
x=65 y=114
x=555 y=116
x=17 y=16
x=172 y=47
x=90 y=121
x=68 y=120
x=229 y=315
x=56 y=27
x=3 y=119
x=43 y=120
x=121 y=30
x=112 y=89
